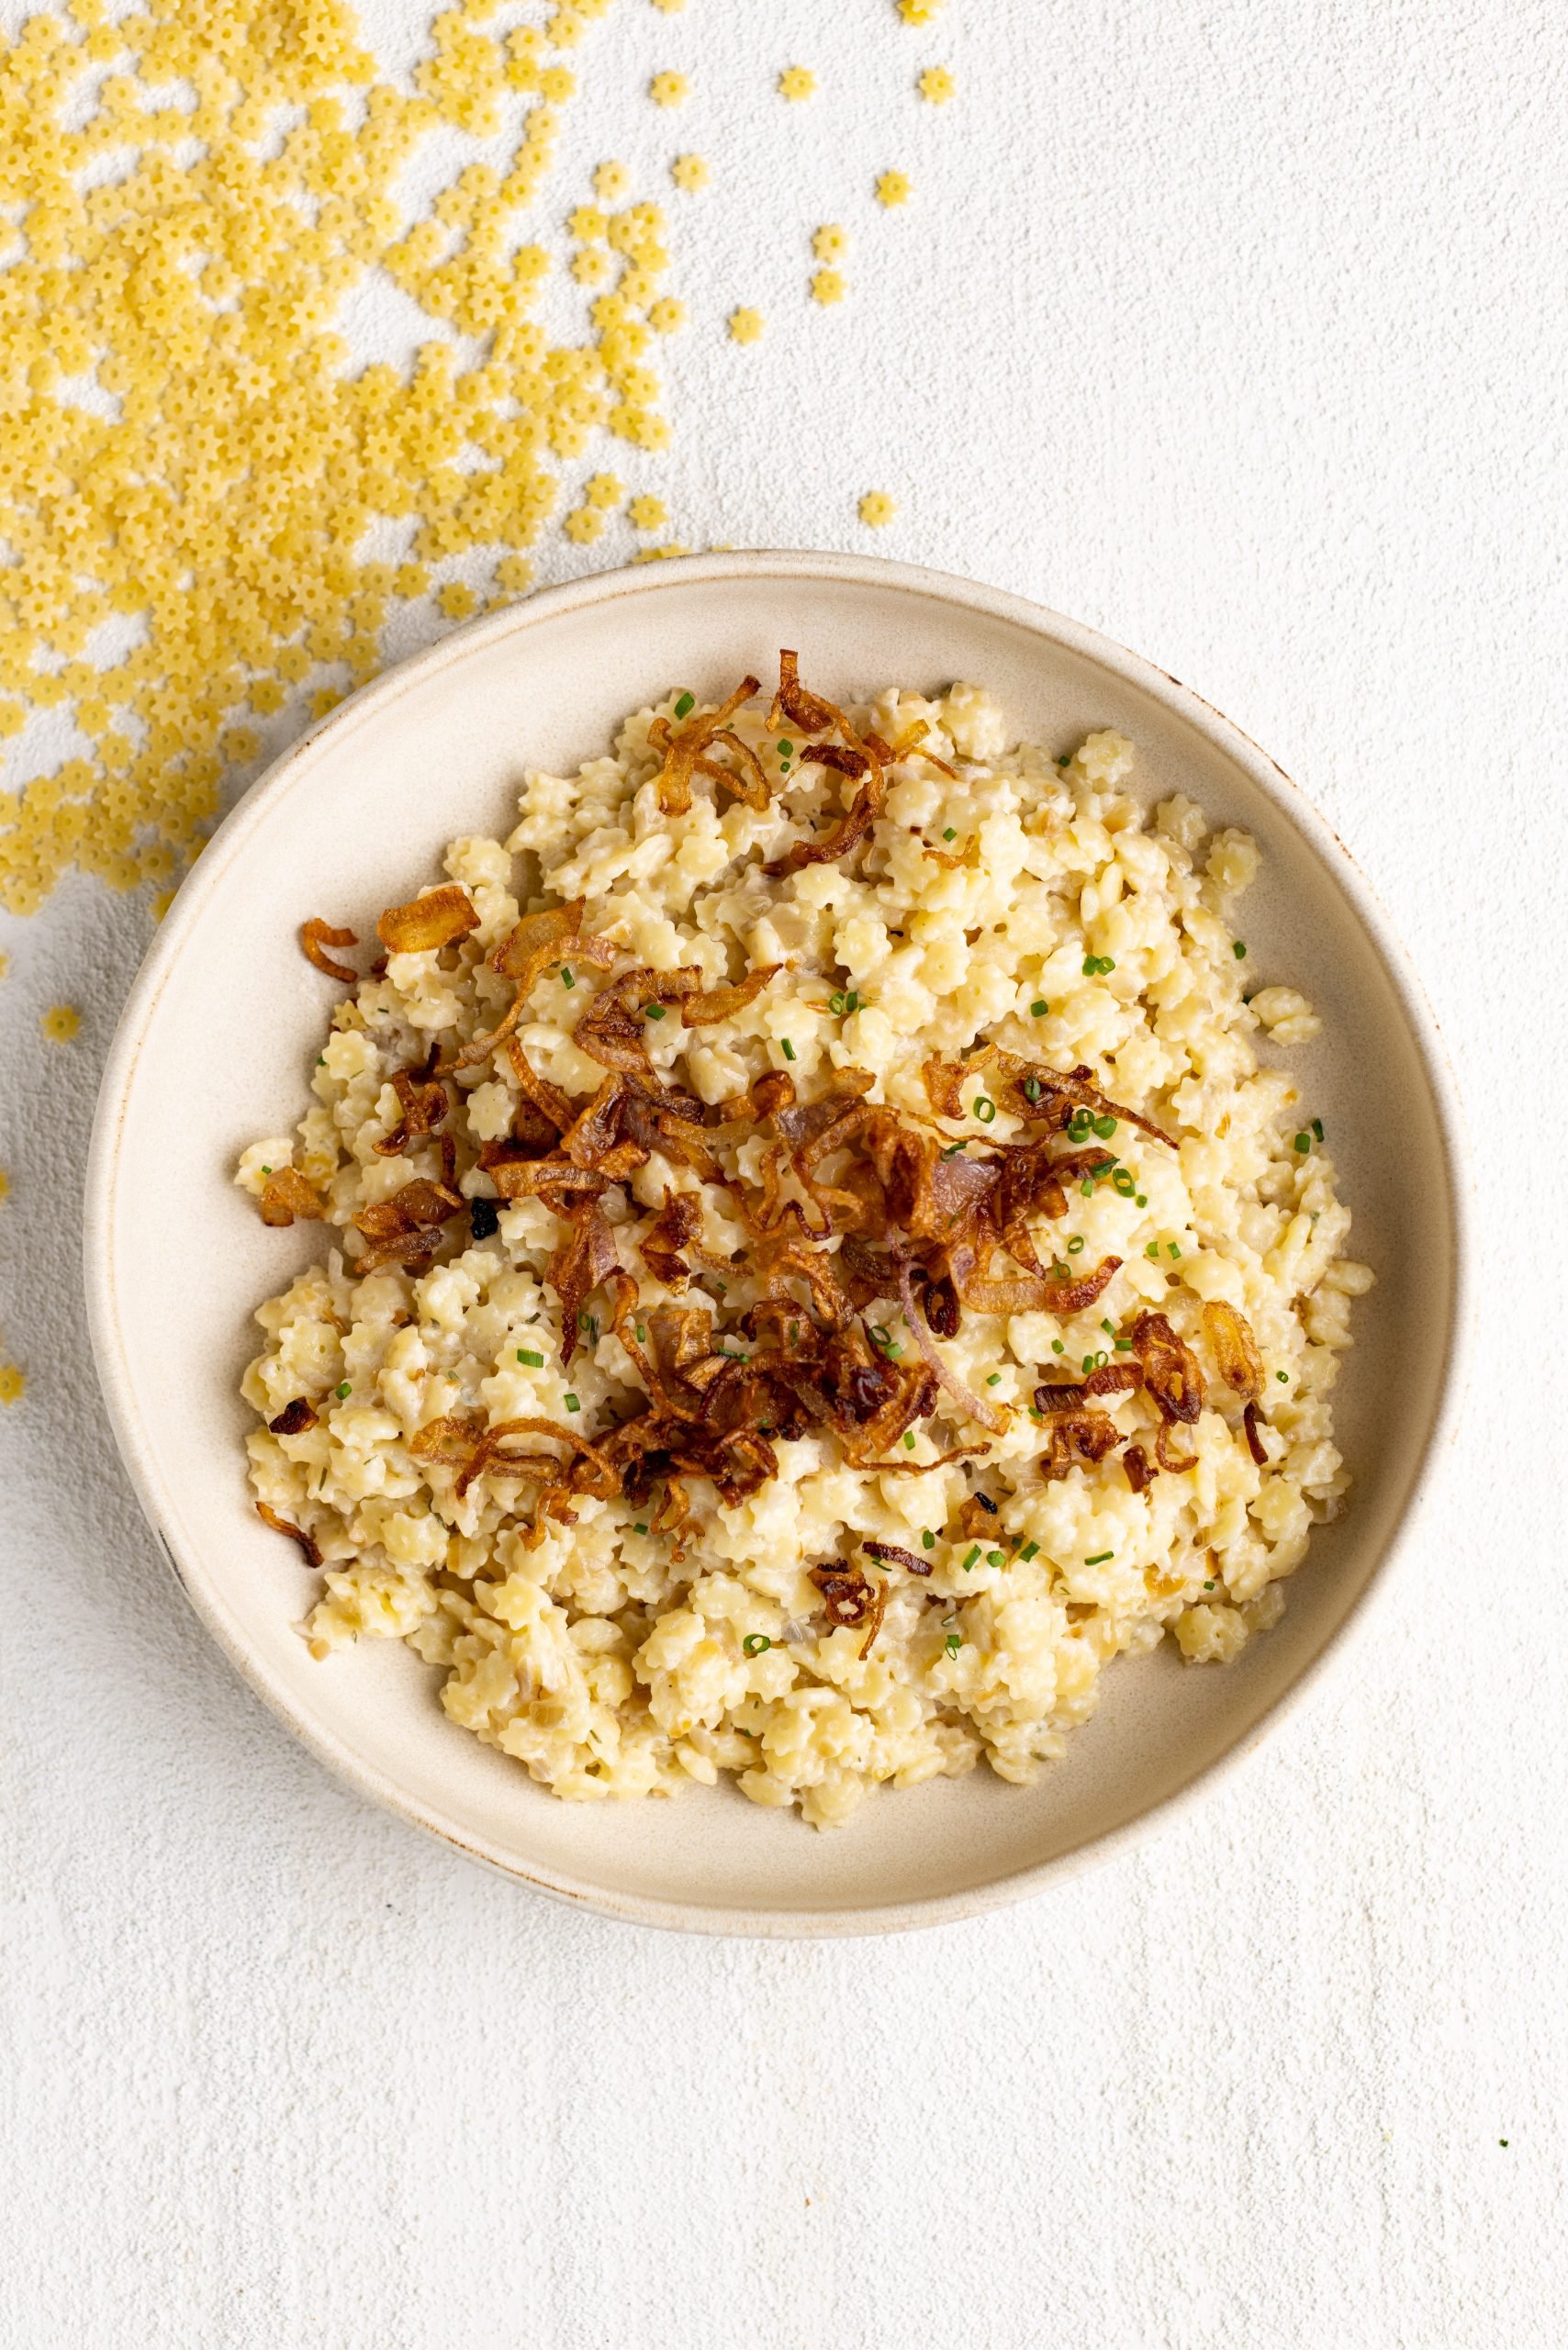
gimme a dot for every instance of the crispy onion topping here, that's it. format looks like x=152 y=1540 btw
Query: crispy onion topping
x=437 y=919
x=295 y=1533
x=295 y=1418
x=853 y=1598
x=892 y=1555
x=286 y=1194
x=406 y=1228
x=1235 y=1349
x=316 y=937
x=687 y=749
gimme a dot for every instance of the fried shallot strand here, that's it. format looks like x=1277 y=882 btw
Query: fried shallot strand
x=316 y=937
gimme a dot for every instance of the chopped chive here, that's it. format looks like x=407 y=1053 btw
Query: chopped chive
x=1057 y=1347
x=880 y=1332
x=996 y=1557
x=1171 y=1249
x=1122 y=1183
x=787 y=1049
x=928 y=1540
x=1124 y=1346
x=1109 y=1327
x=685 y=706
x=1142 y=1200
x=566 y=979
x=1318 y=1128
x=1208 y=1586
x=344 y=1390
x=953 y=1150
x=837 y=1002
x=320 y=1060
x=1075 y=1244
x=949 y=835
x=1283 y=1375
x=1152 y=1249
x=1239 y=950
x=852 y=1001
x=639 y=1529
x=754 y=1643
x=1303 y=1142
x=953 y=1643
x=974 y=1554
x=1030 y=1551
x=1039 y=1007
x=984 y=1109
x=573 y=1405
x=909 y=1439
x=995 y=1380
x=589 y=1322
x=786 y=750
x=1099 y=1559
x=1088 y=1362
x=527 y=1355
x=1031 y=1089
x=654 y=1010
x=1106 y=1127
x=266 y=1170
x=1086 y=1187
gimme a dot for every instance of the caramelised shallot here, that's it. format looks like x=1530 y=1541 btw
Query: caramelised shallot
x=316 y=937
x=438 y=918
x=853 y=1598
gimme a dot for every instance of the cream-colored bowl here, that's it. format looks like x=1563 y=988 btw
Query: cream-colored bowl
x=215 y=1046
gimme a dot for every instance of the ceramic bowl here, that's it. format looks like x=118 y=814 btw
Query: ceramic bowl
x=215 y=1048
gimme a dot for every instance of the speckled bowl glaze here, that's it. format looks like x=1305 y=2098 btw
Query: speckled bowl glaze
x=215 y=1048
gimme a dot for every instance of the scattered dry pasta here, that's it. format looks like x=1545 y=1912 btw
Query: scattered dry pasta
x=195 y=493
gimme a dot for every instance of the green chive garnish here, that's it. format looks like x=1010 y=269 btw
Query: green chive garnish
x=949 y=835
x=1303 y=1142
x=984 y=1109
x=787 y=1049
x=908 y=1440
x=685 y=706
x=995 y=1380
x=654 y=1010
x=1171 y=1249
x=344 y=1390
x=953 y=1643
x=1099 y=1559
x=1057 y=1347
x=928 y=1540
x=1318 y=1128
x=527 y=1355
x=573 y=1405
x=786 y=750
x=996 y=1557
x=1075 y=1244
x=1030 y=1551
x=974 y=1554
x=1239 y=950
x=1282 y=1375
x=1039 y=1007
x=754 y=1643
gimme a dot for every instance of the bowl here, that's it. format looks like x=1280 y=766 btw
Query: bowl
x=215 y=1048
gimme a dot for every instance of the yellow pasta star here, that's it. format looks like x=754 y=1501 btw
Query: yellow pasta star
x=936 y=85
x=457 y=599
x=797 y=82
x=827 y=287
x=919 y=12
x=830 y=243
x=648 y=513
x=603 y=490
x=892 y=187
x=60 y=1023
x=745 y=326
x=689 y=173
x=13 y=1381
x=877 y=510
x=670 y=89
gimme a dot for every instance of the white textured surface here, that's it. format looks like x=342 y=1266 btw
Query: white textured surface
x=1235 y=330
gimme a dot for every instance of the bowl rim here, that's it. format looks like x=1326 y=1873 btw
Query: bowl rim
x=229 y=842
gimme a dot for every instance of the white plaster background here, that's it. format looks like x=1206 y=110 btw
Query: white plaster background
x=1234 y=328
